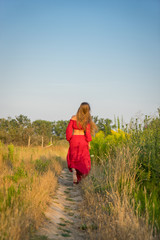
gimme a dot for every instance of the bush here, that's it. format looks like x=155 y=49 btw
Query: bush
x=105 y=146
x=146 y=142
x=10 y=152
x=42 y=165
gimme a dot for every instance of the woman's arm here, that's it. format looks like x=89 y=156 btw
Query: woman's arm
x=88 y=134
x=69 y=130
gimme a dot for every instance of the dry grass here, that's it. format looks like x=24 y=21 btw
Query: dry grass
x=108 y=211
x=26 y=188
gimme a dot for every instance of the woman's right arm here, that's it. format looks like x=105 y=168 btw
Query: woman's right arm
x=69 y=130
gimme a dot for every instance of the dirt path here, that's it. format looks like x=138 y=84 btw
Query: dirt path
x=63 y=219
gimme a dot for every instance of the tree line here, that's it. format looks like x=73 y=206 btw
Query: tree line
x=21 y=131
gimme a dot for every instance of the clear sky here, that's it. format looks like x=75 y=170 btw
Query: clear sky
x=55 y=54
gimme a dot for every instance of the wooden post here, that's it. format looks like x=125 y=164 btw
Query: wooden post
x=29 y=141
x=42 y=141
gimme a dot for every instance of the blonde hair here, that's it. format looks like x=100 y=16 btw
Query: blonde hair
x=84 y=117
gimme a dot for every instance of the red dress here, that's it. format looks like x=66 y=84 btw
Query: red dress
x=78 y=156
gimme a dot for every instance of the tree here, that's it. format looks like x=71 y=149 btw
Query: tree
x=23 y=124
x=59 y=129
x=4 y=130
x=44 y=129
x=103 y=124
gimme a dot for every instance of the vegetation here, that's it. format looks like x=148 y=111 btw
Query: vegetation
x=21 y=131
x=123 y=190
x=28 y=178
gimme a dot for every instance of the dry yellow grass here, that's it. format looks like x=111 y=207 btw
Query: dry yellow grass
x=27 y=188
x=106 y=213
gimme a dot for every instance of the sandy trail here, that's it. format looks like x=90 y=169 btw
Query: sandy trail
x=63 y=218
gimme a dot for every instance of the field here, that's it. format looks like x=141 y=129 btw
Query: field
x=28 y=180
x=121 y=195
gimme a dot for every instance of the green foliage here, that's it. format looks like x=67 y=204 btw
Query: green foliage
x=39 y=237
x=10 y=152
x=16 y=130
x=147 y=140
x=103 y=125
x=145 y=137
x=104 y=146
x=43 y=128
x=12 y=195
x=42 y=165
x=148 y=204
x=59 y=129
x=20 y=131
x=1 y=199
x=19 y=172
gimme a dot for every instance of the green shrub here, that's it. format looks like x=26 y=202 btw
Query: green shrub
x=42 y=165
x=10 y=152
x=19 y=173
x=146 y=141
x=104 y=146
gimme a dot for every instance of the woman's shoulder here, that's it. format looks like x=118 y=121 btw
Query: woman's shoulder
x=74 y=117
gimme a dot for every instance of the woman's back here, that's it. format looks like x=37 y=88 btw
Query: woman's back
x=77 y=130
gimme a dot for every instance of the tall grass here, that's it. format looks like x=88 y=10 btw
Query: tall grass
x=127 y=190
x=28 y=178
x=110 y=210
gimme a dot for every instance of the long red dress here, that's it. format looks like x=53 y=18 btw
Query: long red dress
x=78 y=156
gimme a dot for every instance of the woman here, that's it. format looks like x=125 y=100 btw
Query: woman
x=78 y=133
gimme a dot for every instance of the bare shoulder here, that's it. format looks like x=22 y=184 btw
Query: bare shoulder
x=74 y=117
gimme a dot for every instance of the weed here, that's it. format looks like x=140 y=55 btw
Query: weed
x=66 y=230
x=70 y=214
x=42 y=237
x=83 y=227
x=42 y=165
x=10 y=152
x=65 y=235
x=70 y=199
x=62 y=224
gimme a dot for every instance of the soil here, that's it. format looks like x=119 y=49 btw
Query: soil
x=63 y=215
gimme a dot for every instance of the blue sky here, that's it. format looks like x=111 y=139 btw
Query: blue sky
x=56 y=54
